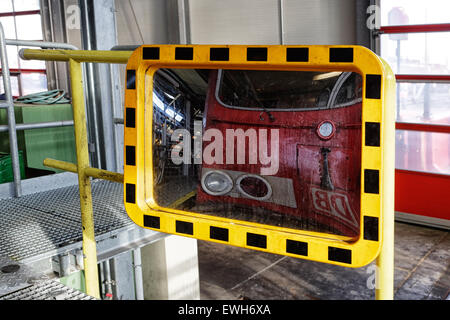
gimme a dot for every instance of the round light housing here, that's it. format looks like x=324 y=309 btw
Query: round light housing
x=326 y=129
x=216 y=183
x=254 y=187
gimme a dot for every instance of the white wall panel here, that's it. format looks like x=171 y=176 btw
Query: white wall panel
x=141 y=21
x=234 y=22
x=319 y=22
x=238 y=21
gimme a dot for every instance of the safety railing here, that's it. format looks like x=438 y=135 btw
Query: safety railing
x=82 y=168
x=12 y=127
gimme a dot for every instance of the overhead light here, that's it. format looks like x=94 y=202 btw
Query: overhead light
x=327 y=75
x=158 y=102
x=170 y=96
x=170 y=113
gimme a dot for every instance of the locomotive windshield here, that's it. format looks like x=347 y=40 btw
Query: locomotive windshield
x=287 y=90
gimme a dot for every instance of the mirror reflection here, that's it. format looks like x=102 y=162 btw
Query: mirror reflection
x=280 y=148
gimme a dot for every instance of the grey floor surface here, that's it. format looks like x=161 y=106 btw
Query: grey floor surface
x=422 y=271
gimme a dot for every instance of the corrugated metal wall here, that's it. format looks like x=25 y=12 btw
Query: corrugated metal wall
x=238 y=21
x=319 y=22
x=234 y=22
x=142 y=21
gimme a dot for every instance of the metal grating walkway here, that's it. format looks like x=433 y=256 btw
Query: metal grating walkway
x=44 y=224
x=45 y=221
x=20 y=282
x=47 y=290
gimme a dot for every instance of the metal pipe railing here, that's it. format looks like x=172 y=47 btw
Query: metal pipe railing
x=91 y=172
x=40 y=44
x=84 y=184
x=82 y=167
x=90 y=93
x=9 y=103
x=39 y=125
x=96 y=56
x=12 y=127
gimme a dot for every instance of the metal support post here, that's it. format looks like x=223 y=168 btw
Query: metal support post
x=87 y=218
x=11 y=116
x=138 y=280
x=384 y=289
x=385 y=264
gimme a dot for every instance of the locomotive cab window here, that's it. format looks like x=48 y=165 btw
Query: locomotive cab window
x=287 y=90
x=280 y=148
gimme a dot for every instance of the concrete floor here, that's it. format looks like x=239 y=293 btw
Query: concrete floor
x=422 y=271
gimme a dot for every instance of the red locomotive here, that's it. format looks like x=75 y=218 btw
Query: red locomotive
x=316 y=118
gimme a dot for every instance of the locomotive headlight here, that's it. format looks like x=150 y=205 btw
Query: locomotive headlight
x=217 y=183
x=254 y=187
x=326 y=129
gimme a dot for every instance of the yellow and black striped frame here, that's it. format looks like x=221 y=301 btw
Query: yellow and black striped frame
x=377 y=155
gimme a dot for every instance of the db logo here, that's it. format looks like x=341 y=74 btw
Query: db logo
x=334 y=204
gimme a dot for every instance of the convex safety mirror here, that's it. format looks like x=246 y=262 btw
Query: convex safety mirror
x=274 y=148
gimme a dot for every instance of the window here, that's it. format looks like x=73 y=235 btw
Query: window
x=257 y=89
x=167 y=100
x=414 y=12
x=21 y=19
x=415 y=41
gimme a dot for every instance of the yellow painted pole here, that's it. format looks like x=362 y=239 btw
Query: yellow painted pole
x=84 y=184
x=385 y=268
x=91 y=172
x=74 y=57
x=384 y=289
x=61 y=165
x=99 y=56
x=104 y=174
